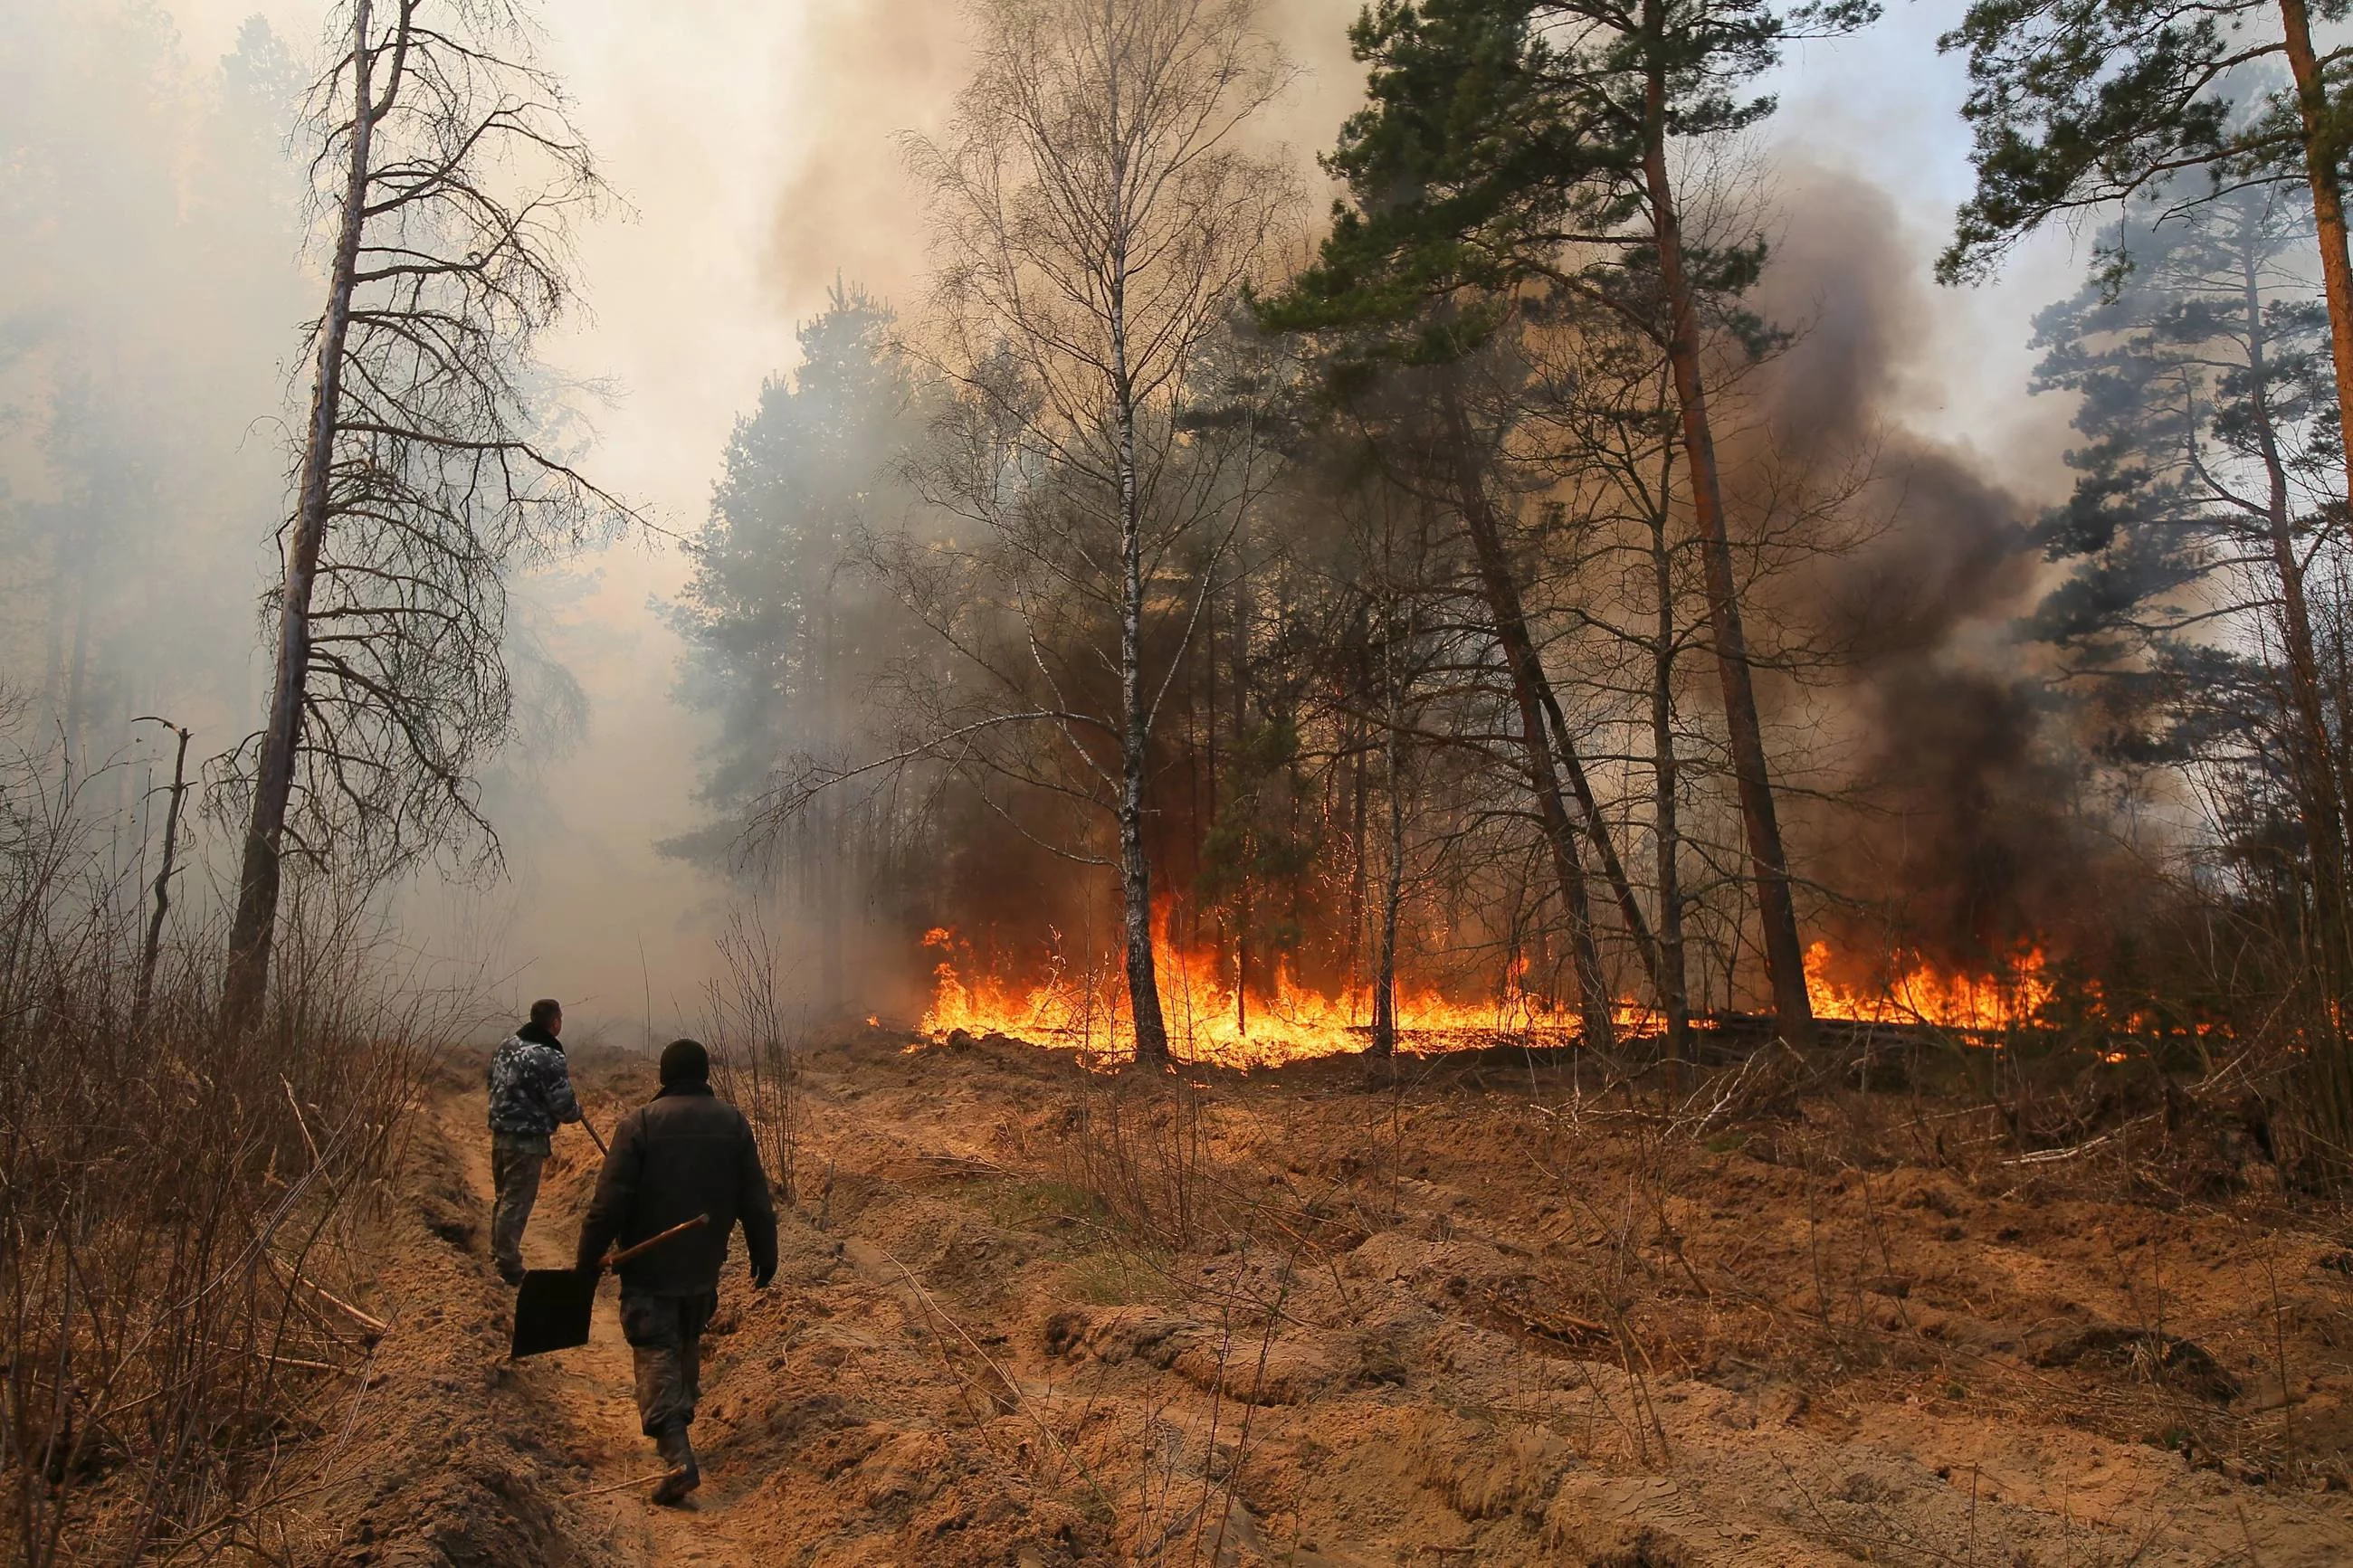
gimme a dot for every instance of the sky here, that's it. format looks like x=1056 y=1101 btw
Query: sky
x=758 y=149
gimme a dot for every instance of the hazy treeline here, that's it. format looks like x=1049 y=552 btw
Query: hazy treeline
x=897 y=572
x=150 y=299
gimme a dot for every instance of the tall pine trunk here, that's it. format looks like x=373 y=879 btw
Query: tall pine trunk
x=1384 y=1041
x=1359 y=815
x=2319 y=791
x=260 y=874
x=1674 y=987
x=1775 y=906
x=1530 y=693
x=2324 y=153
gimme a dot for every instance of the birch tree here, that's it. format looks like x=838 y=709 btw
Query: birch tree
x=1099 y=210
x=448 y=177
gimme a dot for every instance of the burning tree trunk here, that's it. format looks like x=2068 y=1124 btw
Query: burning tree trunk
x=1776 y=908
x=419 y=478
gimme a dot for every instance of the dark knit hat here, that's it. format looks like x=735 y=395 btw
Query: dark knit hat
x=685 y=1061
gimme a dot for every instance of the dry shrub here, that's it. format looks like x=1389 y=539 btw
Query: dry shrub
x=1138 y=1143
x=179 y=1211
x=752 y=1046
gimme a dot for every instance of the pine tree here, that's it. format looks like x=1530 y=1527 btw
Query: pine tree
x=1520 y=148
x=2202 y=532
x=782 y=630
x=2082 y=103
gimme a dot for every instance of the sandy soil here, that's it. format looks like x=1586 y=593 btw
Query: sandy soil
x=1030 y=1315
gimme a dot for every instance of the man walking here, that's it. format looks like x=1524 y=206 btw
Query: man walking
x=686 y=1153
x=531 y=1091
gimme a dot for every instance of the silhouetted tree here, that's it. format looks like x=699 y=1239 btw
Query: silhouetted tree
x=449 y=178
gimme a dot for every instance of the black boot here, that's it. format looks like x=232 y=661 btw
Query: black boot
x=684 y=1475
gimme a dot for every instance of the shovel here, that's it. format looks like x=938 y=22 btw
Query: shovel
x=552 y=1308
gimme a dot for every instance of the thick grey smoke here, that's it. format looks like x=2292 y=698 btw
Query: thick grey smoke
x=1952 y=820
x=152 y=299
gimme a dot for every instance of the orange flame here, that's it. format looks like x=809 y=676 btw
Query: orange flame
x=1922 y=995
x=1208 y=1022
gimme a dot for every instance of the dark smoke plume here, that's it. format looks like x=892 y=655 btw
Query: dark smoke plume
x=1949 y=824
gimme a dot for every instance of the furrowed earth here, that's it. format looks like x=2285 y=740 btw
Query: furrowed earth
x=1487 y=1311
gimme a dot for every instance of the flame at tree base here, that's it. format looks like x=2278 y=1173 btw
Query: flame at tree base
x=1208 y=1022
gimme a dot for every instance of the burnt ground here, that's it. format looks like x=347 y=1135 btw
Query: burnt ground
x=1032 y=1315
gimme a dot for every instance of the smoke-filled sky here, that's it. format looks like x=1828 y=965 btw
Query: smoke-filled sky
x=756 y=146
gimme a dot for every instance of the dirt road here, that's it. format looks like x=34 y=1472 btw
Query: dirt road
x=1027 y=1316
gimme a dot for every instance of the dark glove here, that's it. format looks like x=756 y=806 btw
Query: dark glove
x=760 y=1277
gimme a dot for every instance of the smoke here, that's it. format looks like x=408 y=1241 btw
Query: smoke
x=1950 y=814
x=150 y=296
x=152 y=300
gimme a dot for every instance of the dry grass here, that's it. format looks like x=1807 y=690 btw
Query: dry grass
x=183 y=1214
x=751 y=1036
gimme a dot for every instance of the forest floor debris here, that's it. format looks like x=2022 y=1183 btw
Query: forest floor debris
x=1032 y=1315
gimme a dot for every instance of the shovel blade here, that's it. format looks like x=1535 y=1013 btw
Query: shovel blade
x=551 y=1310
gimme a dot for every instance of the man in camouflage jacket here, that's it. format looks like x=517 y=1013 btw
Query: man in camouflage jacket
x=531 y=1091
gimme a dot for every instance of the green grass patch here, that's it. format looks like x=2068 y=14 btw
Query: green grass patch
x=1046 y=1205
x=1119 y=1278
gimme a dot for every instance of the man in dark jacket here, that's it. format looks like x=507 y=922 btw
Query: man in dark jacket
x=688 y=1152
x=531 y=1093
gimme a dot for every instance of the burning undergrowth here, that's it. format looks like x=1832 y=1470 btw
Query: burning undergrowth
x=1967 y=863
x=1211 y=1024
x=1213 y=1020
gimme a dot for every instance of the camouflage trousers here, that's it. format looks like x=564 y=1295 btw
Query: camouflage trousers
x=665 y=1335
x=516 y=1159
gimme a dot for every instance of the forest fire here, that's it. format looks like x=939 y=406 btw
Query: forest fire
x=1922 y=995
x=1208 y=1022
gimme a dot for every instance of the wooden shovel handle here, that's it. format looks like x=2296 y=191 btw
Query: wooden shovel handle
x=614 y=1260
x=591 y=1128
